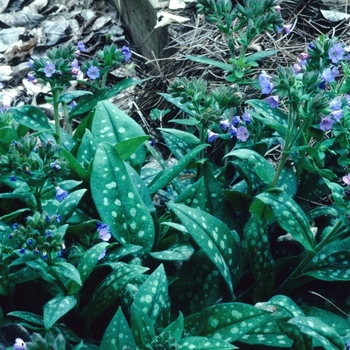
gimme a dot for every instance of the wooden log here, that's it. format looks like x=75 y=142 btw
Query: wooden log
x=139 y=18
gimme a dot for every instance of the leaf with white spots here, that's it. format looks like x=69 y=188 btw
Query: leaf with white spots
x=69 y=96
x=118 y=334
x=65 y=269
x=229 y=321
x=87 y=148
x=176 y=328
x=167 y=175
x=118 y=202
x=108 y=290
x=74 y=165
x=28 y=316
x=256 y=239
x=202 y=343
x=176 y=252
x=122 y=85
x=332 y=262
x=57 y=307
x=152 y=298
x=288 y=214
x=31 y=117
x=69 y=204
x=127 y=147
x=315 y=328
x=216 y=240
x=86 y=265
x=257 y=163
x=287 y=180
x=112 y=125
x=88 y=102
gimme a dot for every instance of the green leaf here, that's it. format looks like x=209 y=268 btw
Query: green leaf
x=332 y=262
x=176 y=102
x=69 y=204
x=128 y=147
x=108 y=290
x=74 y=165
x=32 y=117
x=256 y=238
x=177 y=147
x=183 y=135
x=86 y=265
x=208 y=61
x=229 y=321
x=87 y=148
x=202 y=343
x=118 y=334
x=176 y=328
x=337 y=194
x=10 y=217
x=165 y=176
x=28 y=316
x=288 y=214
x=122 y=85
x=65 y=269
x=152 y=298
x=56 y=308
x=141 y=327
x=88 y=102
x=315 y=328
x=260 y=55
x=258 y=164
x=118 y=202
x=69 y=96
x=216 y=240
x=112 y=125
x=176 y=252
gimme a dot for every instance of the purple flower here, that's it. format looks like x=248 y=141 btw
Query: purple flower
x=236 y=120
x=30 y=77
x=265 y=83
x=278 y=8
x=347 y=96
x=337 y=115
x=127 y=53
x=93 y=72
x=48 y=234
x=233 y=131
x=81 y=46
x=104 y=232
x=246 y=117
x=346 y=179
x=311 y=46
x=75 y=67
x=49 y=69
x=336 y=53
x=14 y=226
x=304 y=56
x=272 y=101
x=329 y=74
x=297 y=68
x=73 y=104
x=336 y=104
x=224 y=124
x=102 y=255
x=326 y=123
x=242 y=134
x=61 y=194
x=19 y=344
x=31 y=63
x=212 y=136
x=286 y=28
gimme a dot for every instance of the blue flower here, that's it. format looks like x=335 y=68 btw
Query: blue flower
x=326 y=123
x=30 y=77
x=336 y=53
x=19 y=344
x=212 y=136
x=58 y=218
x=30 y=241
x=233 y=131
x=13 y=178
x=104 y=232
x=30 y=63
x=81 y=46
x=75 y=67
x=61 y=194
x=14 y=226
x=224 y=124
x=127 y=53
x=73 y=104
x=22 y=250
x=236 y=120
x=47 y=218
x=55 y=165
x=246 y=117
x=337 y=115
x=329 y=74
x=93 y=72
x=102 y=255
x=44 y=255
x=48 y=234
x=265 y=83
x=49 y=69
x=336 y=104
x=242 y=134
x=272 y=101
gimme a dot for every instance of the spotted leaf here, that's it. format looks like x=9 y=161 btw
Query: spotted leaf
x=202 y=343
x=142 y=327
x=31 y=117
x=63 y=268
x=332 y=263
x=118 y=334
x=108 y=290
x=69 y=204
x=112 y=125
x=216 y=240
x=87 y=148
x=118 y=202
x=315 y=328
x=229 y=321
x=288 y=214
x=178 y=251
x=152 y=298
x=257 y=163
x=56 y=308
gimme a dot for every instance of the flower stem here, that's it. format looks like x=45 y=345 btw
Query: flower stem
x=55 y=95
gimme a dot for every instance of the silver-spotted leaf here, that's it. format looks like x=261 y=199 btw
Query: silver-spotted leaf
x=118 y=202
x=87 y=148
x=32 y=117
x=69 y=204
x=118 y=334
x=216 y=240
x=288 y=214
x=202 y=343
x=57 y=307
x=142 y=327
